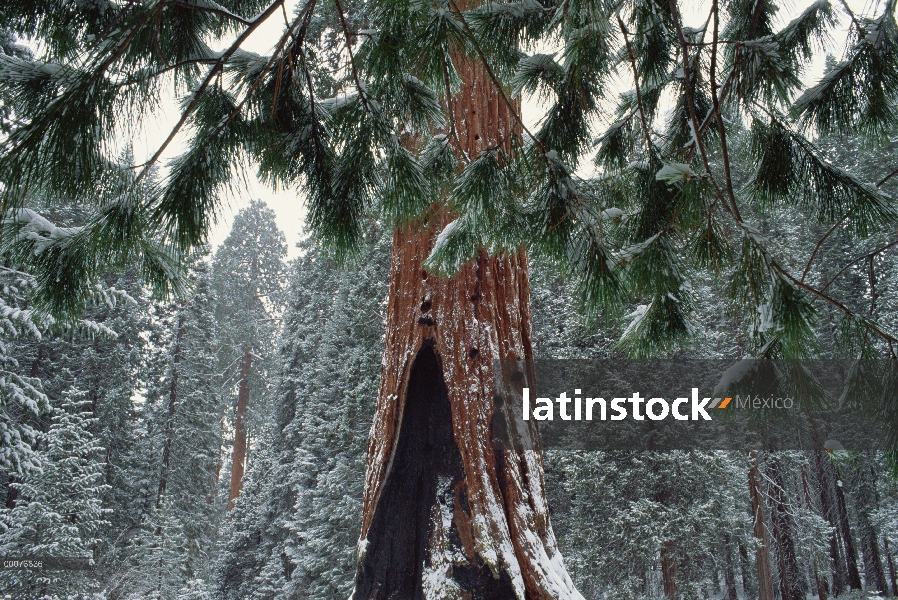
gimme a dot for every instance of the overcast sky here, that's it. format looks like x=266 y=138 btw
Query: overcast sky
x=288 y=204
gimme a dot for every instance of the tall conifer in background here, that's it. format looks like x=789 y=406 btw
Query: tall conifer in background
x=294 y=530
x=248 y=273
x=182 y=444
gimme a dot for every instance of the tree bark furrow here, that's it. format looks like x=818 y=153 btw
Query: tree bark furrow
x=500 y=543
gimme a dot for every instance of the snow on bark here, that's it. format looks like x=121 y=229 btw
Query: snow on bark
x=491 y=525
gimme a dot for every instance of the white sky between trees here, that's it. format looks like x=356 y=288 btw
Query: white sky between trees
x=288 y=204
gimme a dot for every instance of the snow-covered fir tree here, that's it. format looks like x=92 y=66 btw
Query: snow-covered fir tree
x=22 y=400
x=59 y=510
x=294 y=530
x=181 y=446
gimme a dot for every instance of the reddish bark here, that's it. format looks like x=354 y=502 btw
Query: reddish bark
x=238 y=460
x=480 y=519
x=669 y=570
x=762 y=555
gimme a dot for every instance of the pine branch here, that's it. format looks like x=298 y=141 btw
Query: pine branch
x=303 y=16
x=690 y=103
x=720 y=126
x=316 y=134
x=858 y=93
x=835 y=226
x=355 y=74
x=772 y=264
x=68 y=263
x=210 y=77
x=168 y=68
x=807 y=267
x=639 y=104
x=835 y=303
x=797 y=36
x=453 y=133
x=886 y=178
x=790 y=167
x=120 y=49
x=215 y=9
x=863 y=257
x=810 y=22
x=851 y=14
x=538 y=74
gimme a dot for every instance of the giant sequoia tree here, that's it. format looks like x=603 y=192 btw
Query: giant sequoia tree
x=424 y=133
x=247 y=276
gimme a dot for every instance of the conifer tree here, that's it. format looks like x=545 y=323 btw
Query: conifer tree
x=248 y=274
x=59 y=512
x=22 y=400
x=294 y=529
x=181 y=512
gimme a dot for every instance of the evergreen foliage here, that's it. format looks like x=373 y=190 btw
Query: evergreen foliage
x=295 y=526
x=60 y=513
x=248 y=278
x=183 y=411
x=376 y=140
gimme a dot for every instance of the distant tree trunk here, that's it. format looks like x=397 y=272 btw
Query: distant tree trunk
x=791 y=579
x=826 y=479
x=238 y=462
x=668 y=551
x=893 y=577
x=172 y=406
x=669 y=570
x=447 y=513
x=854 y=575
x=748 y=587
x=762 y=555
x=822 y=586
x=866 y=501
x=729 y=573
x=818 y=579
x=874 y=574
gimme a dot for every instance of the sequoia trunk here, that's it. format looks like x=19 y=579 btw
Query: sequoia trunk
x=791 y=577
x=238 y=461
x=447 y=512
x=762 y=554
x=669 y=571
